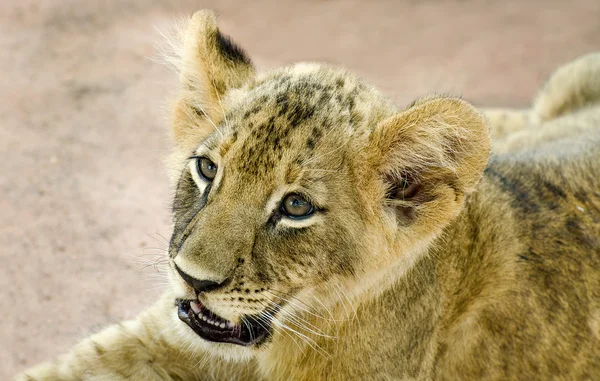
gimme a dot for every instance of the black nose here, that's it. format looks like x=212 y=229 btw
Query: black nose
x=198 y=285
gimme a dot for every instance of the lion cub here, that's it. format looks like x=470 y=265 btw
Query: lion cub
x=321 y=233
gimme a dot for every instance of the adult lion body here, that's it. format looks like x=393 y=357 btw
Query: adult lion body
x=320 y=233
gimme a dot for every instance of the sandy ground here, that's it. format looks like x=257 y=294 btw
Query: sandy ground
x=83 y=137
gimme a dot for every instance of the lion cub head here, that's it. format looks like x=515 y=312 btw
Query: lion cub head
x=299 y=185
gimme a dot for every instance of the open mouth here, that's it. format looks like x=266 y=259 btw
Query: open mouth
x=212 y=327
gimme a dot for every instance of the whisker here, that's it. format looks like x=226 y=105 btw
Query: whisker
x=332 y=317
x=160 y=250
x=294 y=304
x=152 y=289
x=312 y=343
x=207 y=117
x=249 y=326
x=300 y=307
x=324 y=307
x=157 y=276
x=277 y=323
x=343 y=304
x=154 y=265
x=302 y=323
x=348 y=299
x=220 y=104
x=317 y=157
x=278 y=330
x=165 y=240
x=324 y=170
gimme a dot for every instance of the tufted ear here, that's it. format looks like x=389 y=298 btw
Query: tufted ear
x=209 y=64
x=428 y=157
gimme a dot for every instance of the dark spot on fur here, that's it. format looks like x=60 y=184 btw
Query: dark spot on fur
x=554 y=189
x=317 y=134
x=98 y=348
x=522 y=196
x=573 y=226
x=230 y=50
x=254 y=110
x=283 y=103
x=523 y=257
x=300 y=114
x=276 y=144
x=199 y=112
x=582 y=197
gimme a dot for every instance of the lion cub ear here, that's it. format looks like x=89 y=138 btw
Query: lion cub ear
x=428 y=157
x=209 y=64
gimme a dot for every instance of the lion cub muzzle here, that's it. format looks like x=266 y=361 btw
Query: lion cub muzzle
x=252 y=330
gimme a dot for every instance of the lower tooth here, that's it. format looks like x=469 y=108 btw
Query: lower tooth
x=227 y=324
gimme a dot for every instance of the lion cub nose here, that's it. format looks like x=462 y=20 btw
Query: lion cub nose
x=198 y=285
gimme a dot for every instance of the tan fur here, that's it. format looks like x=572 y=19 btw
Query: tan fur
x=566 y=106
x=490 y=270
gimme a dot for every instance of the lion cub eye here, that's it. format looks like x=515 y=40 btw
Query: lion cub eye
x=296 y=206
x=206 y=168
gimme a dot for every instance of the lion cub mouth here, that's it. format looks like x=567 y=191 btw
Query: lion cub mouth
x=211 y=327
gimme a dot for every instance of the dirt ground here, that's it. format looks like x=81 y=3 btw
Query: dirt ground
x=83 y=135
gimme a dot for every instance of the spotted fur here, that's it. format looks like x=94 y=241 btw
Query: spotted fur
x=488 y=268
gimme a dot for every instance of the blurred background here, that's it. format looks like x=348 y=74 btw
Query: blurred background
x=84 y=196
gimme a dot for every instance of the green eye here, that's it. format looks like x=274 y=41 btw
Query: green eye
x=296 y=206
x=206 y=168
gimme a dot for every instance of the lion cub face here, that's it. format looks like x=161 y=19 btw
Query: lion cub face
x=300 y=185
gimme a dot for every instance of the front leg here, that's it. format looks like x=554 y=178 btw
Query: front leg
x=148 y=348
